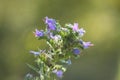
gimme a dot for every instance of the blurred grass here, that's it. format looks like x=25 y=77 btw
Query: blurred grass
x=100 y=19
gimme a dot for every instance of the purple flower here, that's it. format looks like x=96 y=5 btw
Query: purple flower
x=81 y=31
x=59 y=73
x=87 y=44
x=35 y=53
x=76 y=51
x=38 y=33
x=51 y=23
x=75 y=27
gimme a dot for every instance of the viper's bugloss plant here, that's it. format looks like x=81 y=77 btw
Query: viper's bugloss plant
x=64 y=43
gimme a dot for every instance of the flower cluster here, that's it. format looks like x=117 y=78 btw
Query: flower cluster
x=64 y=43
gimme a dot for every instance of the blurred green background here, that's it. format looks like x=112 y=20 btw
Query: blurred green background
x=100 y=19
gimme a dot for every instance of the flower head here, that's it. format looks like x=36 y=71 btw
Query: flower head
x=61 y=42
x=59 y=73
x=87 y=44
x=76 y=51
x=81 y=31
x=51 y=23
x=75 y=27
x=38 y=33
x=35 y=53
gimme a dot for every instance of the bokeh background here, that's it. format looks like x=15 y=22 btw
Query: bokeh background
x=100 y=19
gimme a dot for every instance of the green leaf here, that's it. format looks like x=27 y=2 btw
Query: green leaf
x=50 y=46
x=34 y=68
